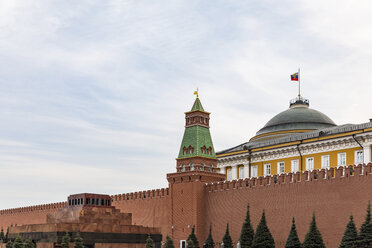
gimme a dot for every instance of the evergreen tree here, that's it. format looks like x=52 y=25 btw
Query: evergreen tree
x=293 y=241
x=227 y=241
x=190 y=243
x=169 y=242
x=7 y=235
x=29 y=244
x=149 y=242
x=365 y=236
x=9 y=244
x=2 y=235
x=313 y=238
x=18 y=242
x=209 y=243
x=192 y=236
x=66 y=241
x=247 y=233
x=350 y=238
x=79 y=243
x=263 y=238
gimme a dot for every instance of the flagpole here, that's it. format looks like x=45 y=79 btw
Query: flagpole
x=299 y=84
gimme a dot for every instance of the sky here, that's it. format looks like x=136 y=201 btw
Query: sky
x=93 y=93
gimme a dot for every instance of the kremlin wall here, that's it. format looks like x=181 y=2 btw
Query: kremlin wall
x=199 y=194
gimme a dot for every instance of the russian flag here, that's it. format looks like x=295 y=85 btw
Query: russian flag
x=294 y=77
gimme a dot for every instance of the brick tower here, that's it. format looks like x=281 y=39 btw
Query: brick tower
x=196 y=165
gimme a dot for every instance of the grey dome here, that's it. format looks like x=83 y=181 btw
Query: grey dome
x=298 y=117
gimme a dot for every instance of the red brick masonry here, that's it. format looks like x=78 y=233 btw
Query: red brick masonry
x=331 y=194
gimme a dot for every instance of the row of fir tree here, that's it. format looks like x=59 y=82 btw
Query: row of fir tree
x=262 y=238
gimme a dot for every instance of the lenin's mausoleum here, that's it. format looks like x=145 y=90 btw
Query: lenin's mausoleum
x=298 y=164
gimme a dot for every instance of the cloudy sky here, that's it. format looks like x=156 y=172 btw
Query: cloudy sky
x=93 y=93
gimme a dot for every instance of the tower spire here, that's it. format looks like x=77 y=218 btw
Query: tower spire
x=196 y=92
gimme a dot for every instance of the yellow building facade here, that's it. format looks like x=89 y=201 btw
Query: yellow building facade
x=298 y=139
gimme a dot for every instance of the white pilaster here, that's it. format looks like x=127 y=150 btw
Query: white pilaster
x=234 y=172
x=246 y=171
x=223 y=170
x=367 y=153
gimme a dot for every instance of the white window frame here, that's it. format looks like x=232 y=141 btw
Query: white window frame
x=192 y=167
x=341 y=159
x=182 y=243
x=229 y=174
x=254 y=171
x=280 y=166
x=241 y=172
x=295 y=163
x=325 y=158
x=356 y=160
x=266 y=168
x=310 y=165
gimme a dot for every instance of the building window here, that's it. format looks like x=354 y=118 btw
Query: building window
x=359 y=157
x=202 y=166
x=267 y=169
x=254 y=171
x=209 y=151
x=294 y=165
x=188 y=120
x=325 y=161
x=310 y=164
x=341 y=159
x=280 y=168
x=211 y=167
x=205 y=120
x=229 y=174
x=192 y=167
x=182 y=167
x=191 y=150
x=241 y=172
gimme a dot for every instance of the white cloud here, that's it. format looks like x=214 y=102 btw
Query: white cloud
x=99 y=89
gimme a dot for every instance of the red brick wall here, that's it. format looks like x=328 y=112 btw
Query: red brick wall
x=332 y=200
x=148 y=208
x=299 y=195
x=27 y=215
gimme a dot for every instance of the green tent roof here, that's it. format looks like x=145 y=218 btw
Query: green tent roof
x=197 y=137
x=197 y=105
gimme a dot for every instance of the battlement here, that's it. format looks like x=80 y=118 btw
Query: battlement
x=293 y=178
x=147 y=194
x=43 y=207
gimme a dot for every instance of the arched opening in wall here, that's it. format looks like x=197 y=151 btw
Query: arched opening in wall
x=189 y=179
x=211 y=167
x=181 y=179
x=192 y=167
x=182 y=167
x=209 y=151
x=191 y=150
x=203 y=150
x=202 y=166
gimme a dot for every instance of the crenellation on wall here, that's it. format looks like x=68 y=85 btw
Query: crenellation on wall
x=42 y=207
x=292 y=178
x=146 y=194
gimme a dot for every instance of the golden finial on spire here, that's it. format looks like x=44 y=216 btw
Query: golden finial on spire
x=196 y=93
